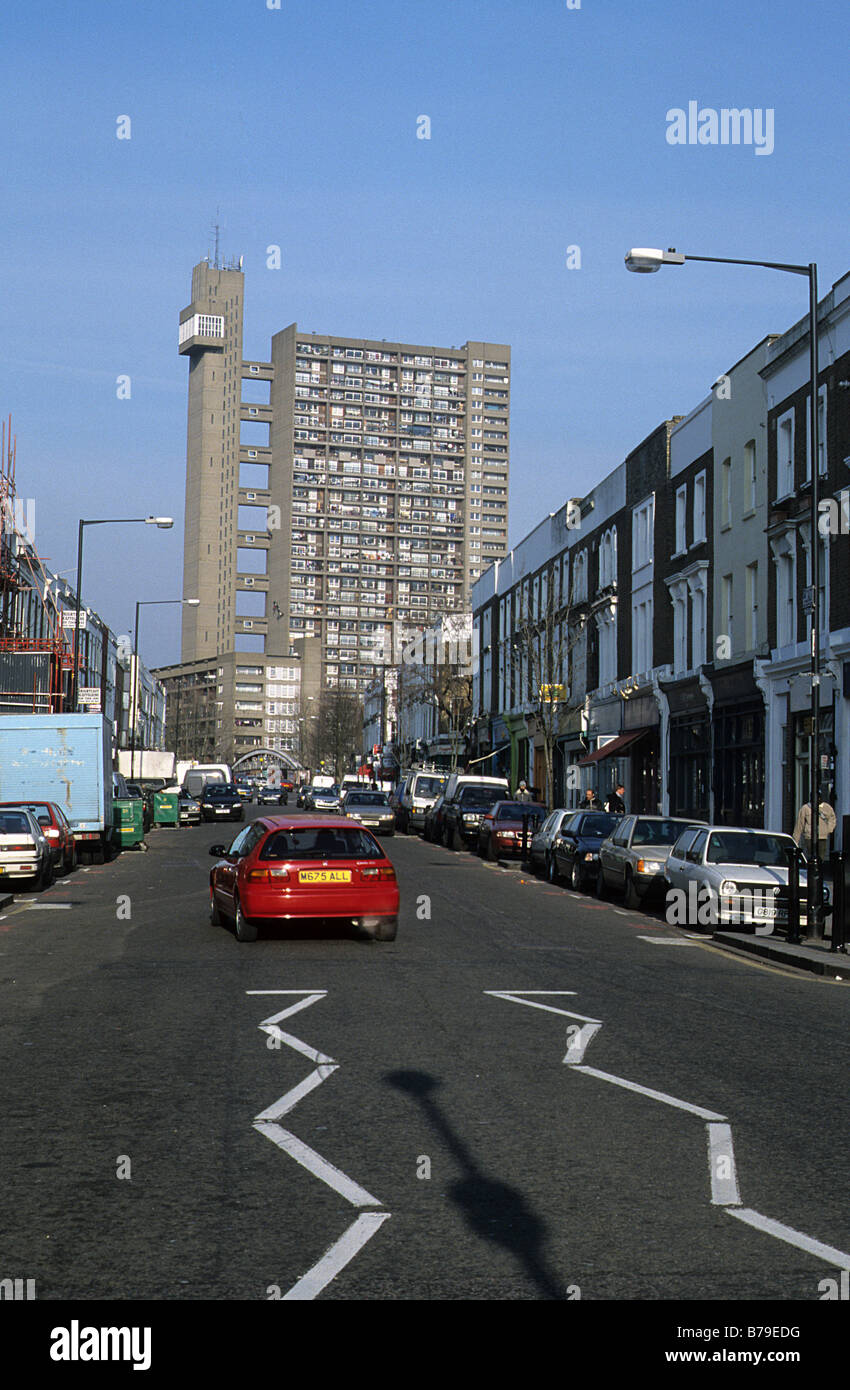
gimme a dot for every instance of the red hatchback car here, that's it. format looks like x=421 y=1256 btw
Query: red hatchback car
x=57 y=831
x=310 y=867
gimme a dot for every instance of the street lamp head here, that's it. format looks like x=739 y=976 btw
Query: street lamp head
x=192 y=602
x=644 y=260
x=163 y=522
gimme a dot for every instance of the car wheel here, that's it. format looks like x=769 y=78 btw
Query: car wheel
x=45 y=877
x=386 y=930
x=576 y=877
x=215 y=915
x=458 y=841
x=601 y=886
x=631 y=897
x=245 y=929
x=552 y=869
x=491 y=852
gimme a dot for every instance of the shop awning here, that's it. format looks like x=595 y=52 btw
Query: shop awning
x=610 y=750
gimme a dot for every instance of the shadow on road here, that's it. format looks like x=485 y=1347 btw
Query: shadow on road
x=492 y=1209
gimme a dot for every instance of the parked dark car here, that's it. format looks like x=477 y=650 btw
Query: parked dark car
x=574 y=854
x=462 y=815
x=221 y=801
x=507 y=826
x=432 y=826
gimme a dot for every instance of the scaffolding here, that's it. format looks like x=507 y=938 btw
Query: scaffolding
x=34 y=651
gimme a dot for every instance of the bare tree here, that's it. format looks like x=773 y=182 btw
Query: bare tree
x=335 y=734
x=441 y=675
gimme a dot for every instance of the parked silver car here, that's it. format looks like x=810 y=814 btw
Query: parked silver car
x=540 y=850
x=25 y=852
x=735 y=877
x=633 y=859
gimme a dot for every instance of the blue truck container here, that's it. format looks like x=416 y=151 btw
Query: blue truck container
x=66 y=758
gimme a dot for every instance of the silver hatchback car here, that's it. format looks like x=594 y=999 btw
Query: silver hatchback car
x=732 y=876
x=633 y=859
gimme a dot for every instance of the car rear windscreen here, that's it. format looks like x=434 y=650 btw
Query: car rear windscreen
x=313 y=842
x=366 y=799
x=657 y=832
x=14 y=824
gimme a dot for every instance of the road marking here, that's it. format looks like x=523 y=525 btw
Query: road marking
x=318 y=1166
x=721 y=1167
x=514 y=997
x=291 y=1099
x=48 y=907
x=355 y=1237
x=791 y=1237
x=577 y=1042
x=668 y=940
x=721 y=1155
x=653 y=1095
x=337 y=1257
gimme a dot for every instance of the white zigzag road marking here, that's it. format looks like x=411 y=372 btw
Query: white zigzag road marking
x=721 y=1154
x=364 y=1227
x=577 y=1038
x=337 y=1257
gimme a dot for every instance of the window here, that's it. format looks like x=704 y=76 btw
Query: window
x=750 y=477
x=681 y=513
x=785 y=454
x=726 y=609
x=821 y=433
x=699 y=508
x=726 y=493
x=751 y=605
x=643 y=523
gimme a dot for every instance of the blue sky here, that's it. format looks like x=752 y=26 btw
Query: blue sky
x=548 y=130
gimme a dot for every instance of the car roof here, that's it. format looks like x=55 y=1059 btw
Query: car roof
x=745 y=830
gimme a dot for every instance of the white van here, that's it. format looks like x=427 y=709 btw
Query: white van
x=464 y=779
x=418 y=795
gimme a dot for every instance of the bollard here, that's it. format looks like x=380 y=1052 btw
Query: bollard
x=792 y=934
x=840 y=899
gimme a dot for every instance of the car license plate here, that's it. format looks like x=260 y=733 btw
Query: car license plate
x=222 y=810
x=764 y=911
x=324 y=876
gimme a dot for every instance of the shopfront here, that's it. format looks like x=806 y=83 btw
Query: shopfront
x=689 y=776
x=738 y=744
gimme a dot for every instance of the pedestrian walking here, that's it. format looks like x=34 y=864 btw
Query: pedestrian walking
x=803 y=828
x=591 y=801
x=615 y=805
x=523 y=794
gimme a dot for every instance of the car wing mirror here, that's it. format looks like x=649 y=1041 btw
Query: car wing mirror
x=218 y=851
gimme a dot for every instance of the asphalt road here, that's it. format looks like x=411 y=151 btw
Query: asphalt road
x=441 y=1146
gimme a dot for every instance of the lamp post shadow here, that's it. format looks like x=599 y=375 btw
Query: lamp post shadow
x=492 y=1209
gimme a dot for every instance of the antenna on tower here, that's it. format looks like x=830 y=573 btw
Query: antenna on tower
x=216 y=262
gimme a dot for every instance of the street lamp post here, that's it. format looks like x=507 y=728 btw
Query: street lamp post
x=145 y=603
x=645 y=260
x=163 y=522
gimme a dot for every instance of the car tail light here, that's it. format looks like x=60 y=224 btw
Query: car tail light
x=267 y=875
x=385 y=871
x=19 y=849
